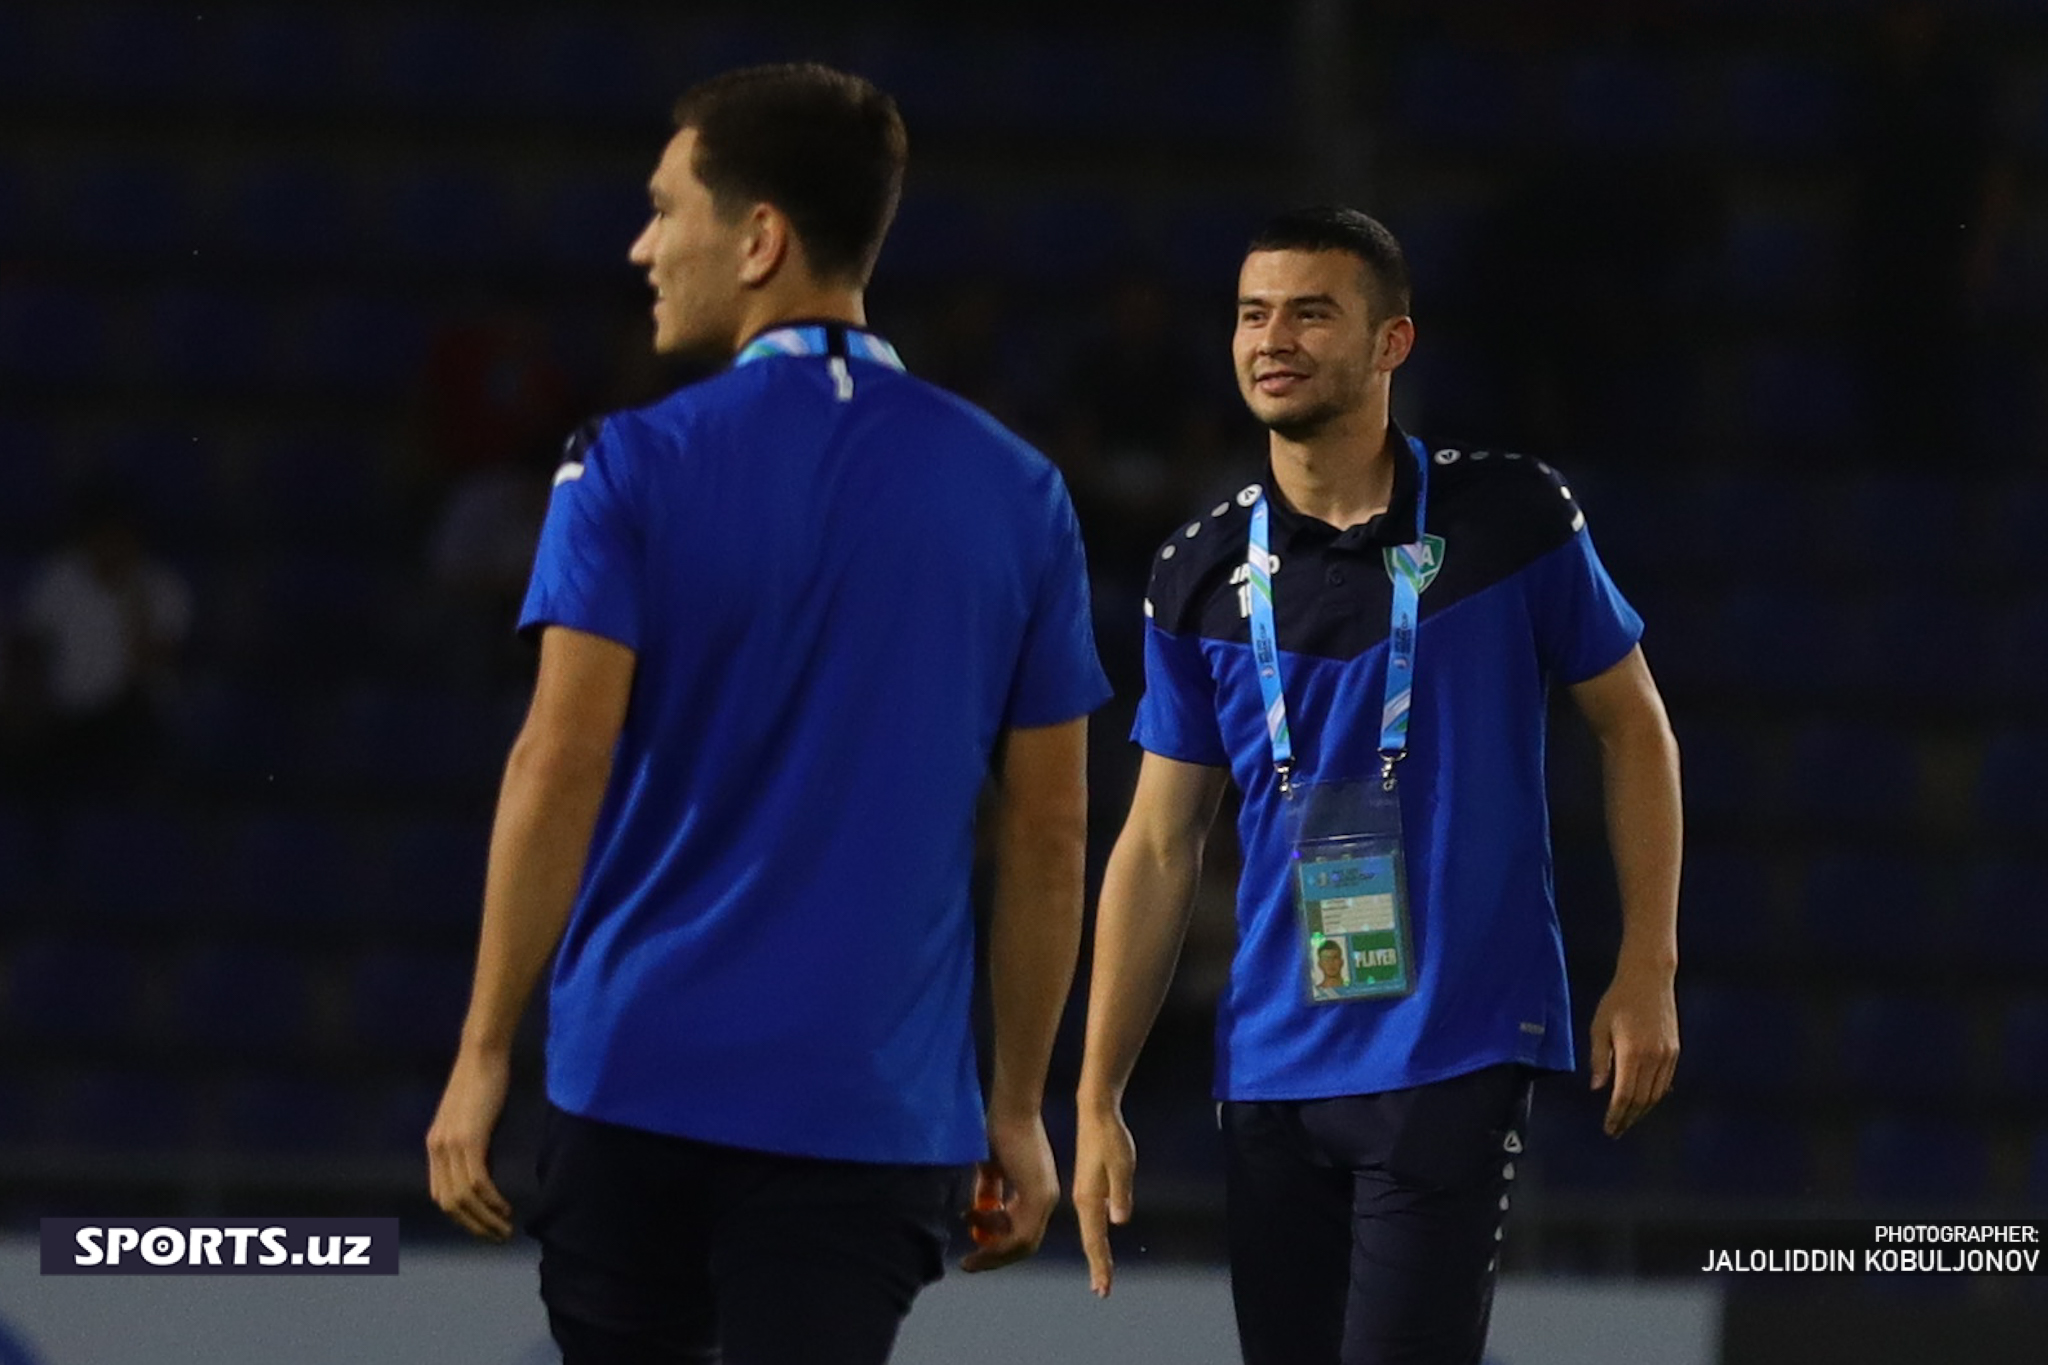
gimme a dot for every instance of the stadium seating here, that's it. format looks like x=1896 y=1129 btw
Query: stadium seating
x=20 y=1112
x=2023 y=1049
x=1804 y=397
x=124 y=1111
x=232 y=1001
x=1620 y=98
x=210 y=343
x=287 y=1114
x=2011 y=797
x=160 y=879
x=1729 y=921
x=284 y=59
x=1923 y=1162
x=52 y=334
x=1570 y=1154
x=1771 y=105
x=427 y=879
x=289 y=872
x=1741 y=1154
x=66 y=995
x=2002 y=924
x=1454 y=94
x=291 y=213
x=407 y=1004
x=1780 y=257
x=1875 y=913
x=1858 y=778
x=1906 y=1049
x=1743 y=1043
x=1854 y=656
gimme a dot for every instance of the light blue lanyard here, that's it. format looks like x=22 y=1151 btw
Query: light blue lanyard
x=1409 y=561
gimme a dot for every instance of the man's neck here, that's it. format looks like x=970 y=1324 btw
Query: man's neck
x=803 y=305
x=1343 y=474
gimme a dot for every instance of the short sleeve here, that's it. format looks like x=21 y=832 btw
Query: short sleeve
x=1583 y=624
x=1059 y=674
x=1177 y=714
x=587 y=574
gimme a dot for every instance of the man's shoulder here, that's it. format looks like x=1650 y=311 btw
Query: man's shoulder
x=1519 y=489
x=1197 y=558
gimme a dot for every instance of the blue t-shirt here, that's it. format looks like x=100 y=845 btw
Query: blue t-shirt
x=841 y=585
x=1518 y=599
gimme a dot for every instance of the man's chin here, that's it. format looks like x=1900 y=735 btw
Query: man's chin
x=1295 y=424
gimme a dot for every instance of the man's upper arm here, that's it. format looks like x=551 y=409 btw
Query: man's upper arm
x=1174 y=805
x=1621 y=699
x=579 y=699
x=1043 y=783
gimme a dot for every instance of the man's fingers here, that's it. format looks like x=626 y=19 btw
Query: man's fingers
x=1093 y=1213
x=1639 y=1083
x=1603 y=1052
x=1010 y=1230
x=1120 y=1194
x=460 y=1182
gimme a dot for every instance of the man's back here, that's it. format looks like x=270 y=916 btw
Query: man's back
x=841 y=585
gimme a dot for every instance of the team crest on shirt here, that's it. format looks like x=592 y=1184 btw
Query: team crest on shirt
x=1417 y=563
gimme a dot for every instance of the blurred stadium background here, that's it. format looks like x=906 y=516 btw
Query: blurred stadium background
x=299 y=301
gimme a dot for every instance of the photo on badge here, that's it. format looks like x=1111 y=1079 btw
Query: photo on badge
x=1329 y=970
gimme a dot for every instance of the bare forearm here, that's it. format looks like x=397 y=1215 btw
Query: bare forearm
x=1645 y=828
x=1034 y=939
x=547 y=808
x=1148 y=894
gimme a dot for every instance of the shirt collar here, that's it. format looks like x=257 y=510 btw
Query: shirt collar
x=1395 y=526
x=823 y=336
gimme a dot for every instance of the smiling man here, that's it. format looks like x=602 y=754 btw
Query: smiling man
x=792 y=620
x=1363 y=641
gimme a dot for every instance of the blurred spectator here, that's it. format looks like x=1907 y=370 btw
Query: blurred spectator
x=1931 y=197
x=479 y=558
x=97 y=635
x=493 y=391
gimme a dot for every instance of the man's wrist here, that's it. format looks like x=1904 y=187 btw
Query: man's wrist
x=1097 y=1098
x=484 y=1045
x=1647 y=961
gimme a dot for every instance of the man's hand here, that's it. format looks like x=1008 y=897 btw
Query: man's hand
x=1015 y=1192
x=459 y=1144
x=1105 y=1159
x=1635 y=1044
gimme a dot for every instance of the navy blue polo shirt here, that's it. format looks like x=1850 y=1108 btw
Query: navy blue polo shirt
x=1518 y=601
x=841 y=584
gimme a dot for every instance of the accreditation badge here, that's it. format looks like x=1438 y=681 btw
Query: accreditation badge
x=1351 y=891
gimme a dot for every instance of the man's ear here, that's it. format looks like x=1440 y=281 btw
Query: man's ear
x=765 y=242
x=1397 y=339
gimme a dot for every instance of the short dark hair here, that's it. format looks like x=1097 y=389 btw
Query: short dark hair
x=1330 y=227
x=825 y=147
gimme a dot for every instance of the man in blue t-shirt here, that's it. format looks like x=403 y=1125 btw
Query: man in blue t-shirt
x=1363 y=640
x=793 y=620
